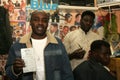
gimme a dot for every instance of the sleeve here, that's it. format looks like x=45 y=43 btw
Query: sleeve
x=9 y=65
x=66 y=68
x=83 y=72
x=67 y=43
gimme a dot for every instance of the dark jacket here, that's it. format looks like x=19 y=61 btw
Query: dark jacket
x=57 y=66
x=91 y=70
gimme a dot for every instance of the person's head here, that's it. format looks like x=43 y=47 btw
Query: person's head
x=87 y=20
x=53 y=27
x=100 y=51
x=10 y=1
x=39 y=23
x=68 y=17
x=72 y=28
x=77 y=17
x=17 y=1
x=65 y=30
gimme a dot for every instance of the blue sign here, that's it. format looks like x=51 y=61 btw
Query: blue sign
x=40 y=5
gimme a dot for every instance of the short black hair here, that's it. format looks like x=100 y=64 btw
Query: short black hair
x=88 y=12
x=97 y=44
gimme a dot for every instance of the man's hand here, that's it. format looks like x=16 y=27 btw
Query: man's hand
x=18 y=65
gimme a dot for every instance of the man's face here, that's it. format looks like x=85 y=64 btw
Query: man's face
x=39 y=23
x=104 y=55
x=65 y=30
x=86 y=22
x=53 y=28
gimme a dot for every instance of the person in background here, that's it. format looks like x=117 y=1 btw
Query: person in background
x=54 y=30
x=10 y=6
x=22 y=14
x=52 y=62
x=17 y=4
x=66 y=23
x=95 y=68
x=78 y=42
x=68 y=19
x=64 y=31
x=22 y=4
x=5 y=5
x=77 y=19
x=72 y=28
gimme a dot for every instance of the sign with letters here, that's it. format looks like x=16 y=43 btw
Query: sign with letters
x=44 y=4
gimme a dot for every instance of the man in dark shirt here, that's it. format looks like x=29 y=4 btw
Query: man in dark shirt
x=95 y=67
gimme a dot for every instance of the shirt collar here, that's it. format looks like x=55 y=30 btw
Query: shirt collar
x=26 y=39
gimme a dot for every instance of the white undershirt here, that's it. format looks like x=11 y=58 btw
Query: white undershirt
x=38 y=46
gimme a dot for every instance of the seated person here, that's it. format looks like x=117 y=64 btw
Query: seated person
x=95 y=67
